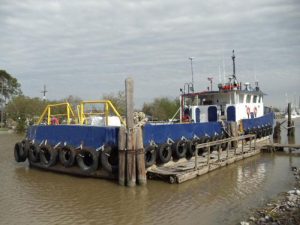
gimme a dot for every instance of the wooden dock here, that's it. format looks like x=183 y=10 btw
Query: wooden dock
x=277 y=147
x=183 y=170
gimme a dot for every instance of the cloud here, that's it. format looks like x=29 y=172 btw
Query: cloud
x=87 y=48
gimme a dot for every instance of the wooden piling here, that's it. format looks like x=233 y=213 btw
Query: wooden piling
x=289 y=111
x=140 y=157
x=131 y=168
x=277 y=131
x=122 y=155
x=290 y=123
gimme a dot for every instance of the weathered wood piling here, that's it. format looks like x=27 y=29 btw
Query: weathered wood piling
x=140 y=157
x=131 y=149
x=130 y=137
x=290 y=123
x=277 y=130
x=122 y=155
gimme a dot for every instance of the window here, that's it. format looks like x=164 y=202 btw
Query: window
x=255 y=99
x=241 y=98
x=248 y=99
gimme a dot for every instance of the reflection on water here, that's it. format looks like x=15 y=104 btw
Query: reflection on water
x=284 y=139
x=225 y=196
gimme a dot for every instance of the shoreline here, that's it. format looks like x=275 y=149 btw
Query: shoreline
x=285 y=209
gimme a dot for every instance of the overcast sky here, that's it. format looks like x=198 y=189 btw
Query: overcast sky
x=88 y=48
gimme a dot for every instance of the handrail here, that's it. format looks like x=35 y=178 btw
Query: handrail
x=225 y=140
x=48 y=111
x=107 y=105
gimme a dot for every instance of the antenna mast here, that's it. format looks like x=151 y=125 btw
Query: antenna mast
x=44 y=92
x=233 y=62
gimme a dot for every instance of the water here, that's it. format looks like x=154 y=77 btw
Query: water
x=225 y=196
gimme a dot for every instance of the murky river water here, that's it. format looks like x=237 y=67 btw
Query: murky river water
x=225 y=196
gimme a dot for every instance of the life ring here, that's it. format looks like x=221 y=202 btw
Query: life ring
x=109 y=159
x=255 y=111
x=33 y=153
x=20 y=152
x=48 y=155
x=164 y=153
x=150 y=155
x=87 y=160
x=179 y=149
x=67 y=156
x=248 y=111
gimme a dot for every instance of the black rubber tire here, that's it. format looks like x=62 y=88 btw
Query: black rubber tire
x=258 y=132
x=224 y=145
x=34 y=153
x=164 y=153
x=48 y=155
x=67 y=156
x=150 y=155
x=26 y=146
x=191 y=148
x=202 y=140
x=19 y=152
x=270 y=130
x=265 y=131
x=109 y=159
x=215 y=147
x=88 y=160
x=179 y=149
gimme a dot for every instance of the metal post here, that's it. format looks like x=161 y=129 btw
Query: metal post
x=191 y=58
x=106 y=113
x=196 y=157
x=49 y=116
x=243 y=148
x=208 y=157
x=68 y=114
x=227 y=149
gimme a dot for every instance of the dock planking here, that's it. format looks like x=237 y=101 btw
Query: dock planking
x=184 y=169
x=274 y=147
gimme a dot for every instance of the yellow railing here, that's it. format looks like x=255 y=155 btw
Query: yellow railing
x=107 y=106
x=48 y=112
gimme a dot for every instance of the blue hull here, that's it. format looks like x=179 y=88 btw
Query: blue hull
x=95 y=137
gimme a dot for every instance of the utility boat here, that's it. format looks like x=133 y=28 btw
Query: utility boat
x=87 y=143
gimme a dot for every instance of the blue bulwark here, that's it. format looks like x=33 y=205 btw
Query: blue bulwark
x=74 y=135
x=160 y=133
x=267 y=119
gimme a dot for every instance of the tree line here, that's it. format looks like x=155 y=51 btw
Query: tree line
x=23 y=109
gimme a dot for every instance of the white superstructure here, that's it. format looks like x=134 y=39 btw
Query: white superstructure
x=232 y=102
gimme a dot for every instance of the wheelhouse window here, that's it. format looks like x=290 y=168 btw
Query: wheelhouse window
x=255 y=99
x=241 y=98
x=248 y=99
